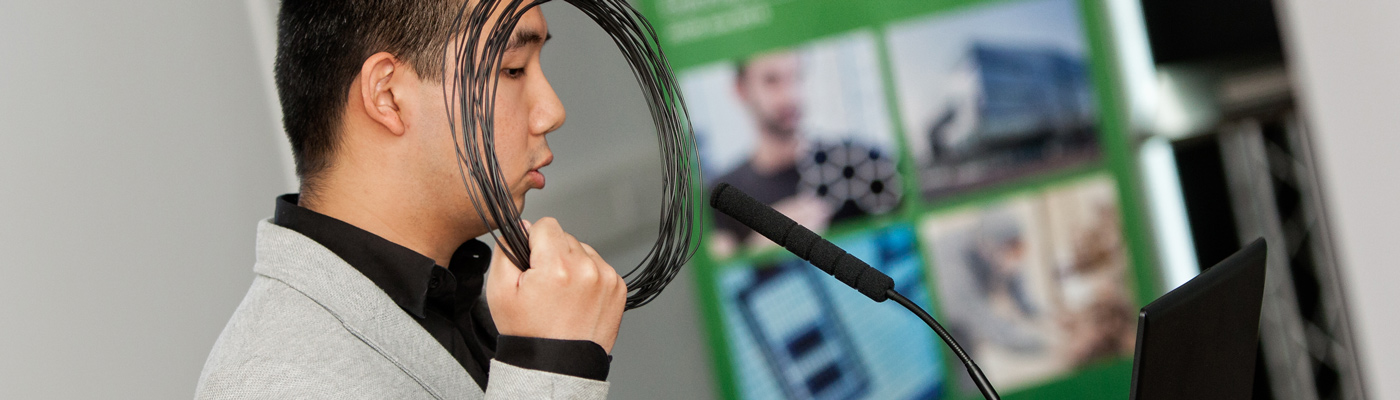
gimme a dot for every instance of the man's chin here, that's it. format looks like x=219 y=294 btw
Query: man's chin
x=517 y=199
x=782 y=131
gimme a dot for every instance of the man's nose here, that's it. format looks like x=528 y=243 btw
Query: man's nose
x=548 y=113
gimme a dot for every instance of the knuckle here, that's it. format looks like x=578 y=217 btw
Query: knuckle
x=587 y=272
x=545 y=228
x=616 y=284
x=559 y=275
x=621 y=286
x=549 y=222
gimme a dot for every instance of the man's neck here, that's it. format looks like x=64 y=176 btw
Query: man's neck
x=774 y=153
x=395 y=220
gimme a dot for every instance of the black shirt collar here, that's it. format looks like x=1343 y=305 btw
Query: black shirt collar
x=409 y=278
x=445 y=302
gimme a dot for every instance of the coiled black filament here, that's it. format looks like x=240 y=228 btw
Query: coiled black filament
x=470 y=74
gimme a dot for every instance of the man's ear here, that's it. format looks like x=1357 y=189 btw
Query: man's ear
x=377 y=86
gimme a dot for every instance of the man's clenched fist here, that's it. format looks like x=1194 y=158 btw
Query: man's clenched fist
x=569 y=292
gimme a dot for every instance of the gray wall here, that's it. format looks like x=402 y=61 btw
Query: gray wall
x=135 y=161
x=1346 y=61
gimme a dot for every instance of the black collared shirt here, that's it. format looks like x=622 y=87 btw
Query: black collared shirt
x=447 y=302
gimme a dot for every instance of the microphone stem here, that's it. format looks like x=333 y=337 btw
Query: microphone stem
x=976 y=373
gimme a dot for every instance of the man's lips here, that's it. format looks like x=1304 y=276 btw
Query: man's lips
x=537 y=177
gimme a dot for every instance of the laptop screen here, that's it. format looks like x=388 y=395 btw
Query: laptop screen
x=1199 y=340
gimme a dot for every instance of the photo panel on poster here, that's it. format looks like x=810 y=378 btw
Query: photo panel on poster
x=965 y=148
x=804 y=129
x=994 y=92
x=795 y=332
x=1036 y=285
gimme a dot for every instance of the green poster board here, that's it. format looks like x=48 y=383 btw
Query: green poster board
x=976 y=151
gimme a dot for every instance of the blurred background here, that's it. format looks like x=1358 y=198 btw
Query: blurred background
x=1065 y=158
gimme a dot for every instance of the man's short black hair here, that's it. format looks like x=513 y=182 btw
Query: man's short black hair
x=741 y=68
x=321 y=45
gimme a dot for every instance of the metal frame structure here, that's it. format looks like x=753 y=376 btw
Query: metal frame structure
x=1305 y=331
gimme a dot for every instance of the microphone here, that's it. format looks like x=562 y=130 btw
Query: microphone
x=835 y=262
x=802 y=241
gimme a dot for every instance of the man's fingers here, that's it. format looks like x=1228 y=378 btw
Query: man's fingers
x=569 y=283
x=547 y=240
x=503 y=274
x=611 y=318
x=602 y=266
x=614 y=286
x=574 y=245
x=559 y=255
x=612 y=297
x=582 y=267
x=588 y=250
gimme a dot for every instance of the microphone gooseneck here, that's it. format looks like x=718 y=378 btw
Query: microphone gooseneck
x=835 y=262
x=973 y=371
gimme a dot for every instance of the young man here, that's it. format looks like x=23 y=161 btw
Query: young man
x=770 y=87
x=369 y=284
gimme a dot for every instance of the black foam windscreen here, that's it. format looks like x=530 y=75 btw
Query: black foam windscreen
x=801 y=241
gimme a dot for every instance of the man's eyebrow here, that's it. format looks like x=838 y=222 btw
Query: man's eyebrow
x=524 y=37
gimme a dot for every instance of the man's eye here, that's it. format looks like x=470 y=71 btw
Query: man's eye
x=513 y=73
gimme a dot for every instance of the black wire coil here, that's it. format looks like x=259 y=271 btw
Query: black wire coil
x=470 y=74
